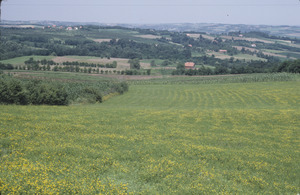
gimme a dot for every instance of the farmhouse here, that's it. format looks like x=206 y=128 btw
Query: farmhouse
x=189 y=65
x=222 y=51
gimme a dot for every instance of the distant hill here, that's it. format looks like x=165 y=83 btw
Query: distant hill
x=290 y=31
x=235 y=49
x=283 y=30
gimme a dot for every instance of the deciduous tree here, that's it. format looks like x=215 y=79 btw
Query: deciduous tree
x=134 y=64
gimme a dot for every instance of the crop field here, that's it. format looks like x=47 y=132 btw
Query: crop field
x=169 y=136
x=122 y=62
x=148 y=36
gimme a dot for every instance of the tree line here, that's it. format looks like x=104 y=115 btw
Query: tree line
x=38 y=92
x=292 y=66
x=24 y=42
x=33 y=62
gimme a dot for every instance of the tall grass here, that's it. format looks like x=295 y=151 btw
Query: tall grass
x=271 y=77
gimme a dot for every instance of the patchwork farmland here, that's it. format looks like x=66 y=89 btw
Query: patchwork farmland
x=114 y=110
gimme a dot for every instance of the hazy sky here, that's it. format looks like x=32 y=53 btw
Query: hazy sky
x=270 y=12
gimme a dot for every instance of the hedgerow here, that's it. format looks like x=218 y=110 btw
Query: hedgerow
x=38 y=92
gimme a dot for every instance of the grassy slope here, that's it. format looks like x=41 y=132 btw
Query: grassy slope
x=21 y=60
x=185 y=138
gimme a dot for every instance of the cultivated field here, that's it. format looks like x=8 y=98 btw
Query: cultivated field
x=122 y=62
x=182 y=135
x=148 y=36
x=196 y=36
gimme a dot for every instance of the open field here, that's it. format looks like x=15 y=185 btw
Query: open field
x=266 y=52
x=101 y=40
x=122 y=62
x=267 y=41
x=275 y=53
x=223 y=56
x=196 y=36
x=248 y=39
x=21 y=26
x=161 y=137
x=60 y=76
x=149 y=36
x=246 y=48
x=113 y=34
x=20 y=60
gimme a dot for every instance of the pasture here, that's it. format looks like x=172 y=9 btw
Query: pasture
x=171 y=136
x=223 y=56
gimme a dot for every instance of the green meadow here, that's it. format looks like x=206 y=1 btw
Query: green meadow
x=20 y=60
x=170 y=136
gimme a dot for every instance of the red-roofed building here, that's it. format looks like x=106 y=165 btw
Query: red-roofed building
x=189 y=65
x=222 y=51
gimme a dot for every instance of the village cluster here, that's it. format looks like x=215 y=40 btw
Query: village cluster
x=70 y=28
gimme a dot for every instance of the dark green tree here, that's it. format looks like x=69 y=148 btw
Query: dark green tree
x=166 y=63
x=12 y=91
x=114 y=64
x=134 y=63
x=289 y=66
x=152 y=63
x=180 y=66
x=148 y=71
x=221 y=70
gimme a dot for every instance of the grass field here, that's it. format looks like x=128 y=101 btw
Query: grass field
x=238 y=56
x=20 y=60
x=61 y=76
x=171 y=136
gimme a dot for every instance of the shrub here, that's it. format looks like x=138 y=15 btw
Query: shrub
x=92 y=94
x=47 y=93
x=6 y=66
x=12 y=91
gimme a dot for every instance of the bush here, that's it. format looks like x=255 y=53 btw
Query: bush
x=47 y=93
x=6 y=66
x=12 y=92
x=92 y=94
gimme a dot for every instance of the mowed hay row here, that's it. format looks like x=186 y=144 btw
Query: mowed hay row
x=215 y=96
x=239 y=138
